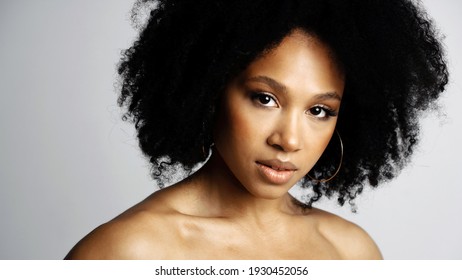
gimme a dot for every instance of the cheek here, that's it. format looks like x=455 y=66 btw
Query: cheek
x=324 y=141
x=237 y=130
x=316 y=141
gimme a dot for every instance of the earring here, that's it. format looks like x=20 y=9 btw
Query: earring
x=338 y=168
x=205 y=151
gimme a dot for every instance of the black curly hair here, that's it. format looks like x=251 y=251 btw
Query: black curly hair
x=188 y=51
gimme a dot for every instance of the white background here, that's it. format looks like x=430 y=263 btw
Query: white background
x=68 y=163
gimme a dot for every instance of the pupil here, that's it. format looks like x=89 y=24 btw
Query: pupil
x=316 y=111
x=264 y=99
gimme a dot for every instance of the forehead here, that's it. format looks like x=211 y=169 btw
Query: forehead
x=300 y=60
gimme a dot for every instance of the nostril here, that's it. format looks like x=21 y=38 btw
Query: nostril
x=278 y=147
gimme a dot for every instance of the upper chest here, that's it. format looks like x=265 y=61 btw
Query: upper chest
x=222 y=239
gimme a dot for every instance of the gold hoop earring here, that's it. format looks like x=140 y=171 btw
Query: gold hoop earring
x=338 y=168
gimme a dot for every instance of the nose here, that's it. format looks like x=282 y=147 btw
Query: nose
x=286 y=135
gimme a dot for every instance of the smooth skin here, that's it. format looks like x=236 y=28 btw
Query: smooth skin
x=275 y=120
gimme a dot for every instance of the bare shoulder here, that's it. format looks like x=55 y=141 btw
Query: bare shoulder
x=129 y=238
x=139 y=233
x=350 y=240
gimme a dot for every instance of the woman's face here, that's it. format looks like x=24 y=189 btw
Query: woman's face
x=277 y=116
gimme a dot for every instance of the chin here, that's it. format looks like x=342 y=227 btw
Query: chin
x=270 y=192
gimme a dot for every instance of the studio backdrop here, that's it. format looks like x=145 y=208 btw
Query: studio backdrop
x=69 y=163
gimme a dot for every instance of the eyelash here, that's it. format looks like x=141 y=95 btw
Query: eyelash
x=328 y=111
x=256 y=97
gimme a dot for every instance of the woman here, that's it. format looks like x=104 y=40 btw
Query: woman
x=268 y=94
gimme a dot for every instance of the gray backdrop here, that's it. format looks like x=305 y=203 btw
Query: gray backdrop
x=68 y=163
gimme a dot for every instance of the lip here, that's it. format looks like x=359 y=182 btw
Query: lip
x=275 y=171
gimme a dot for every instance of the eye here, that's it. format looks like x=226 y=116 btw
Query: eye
x=318 y=112
x=322 y=112
x=264 y=99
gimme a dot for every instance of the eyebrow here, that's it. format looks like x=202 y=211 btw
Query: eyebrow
x=269 y=81
x=328 y=95
x=282 y=88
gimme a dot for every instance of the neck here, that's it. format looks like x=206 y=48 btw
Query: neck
x=225 y=196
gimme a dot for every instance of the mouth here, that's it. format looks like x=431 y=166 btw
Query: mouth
x=278 y=165
x=275 y=171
